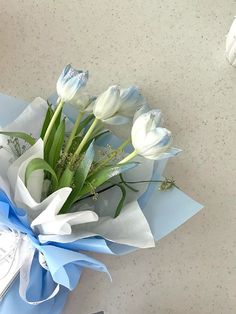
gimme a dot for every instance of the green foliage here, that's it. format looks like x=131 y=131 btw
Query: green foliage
x=84 y=123
x=40 y=164
x=93 y=138
x=57 y=144
x=122 y=200
x=47 y=120
x=50 y=140
x=84 y=167
x=102 y=176
x=24 y=136
x=75 y=167
x=80 y=177
x=127 y=185
x=66 y=178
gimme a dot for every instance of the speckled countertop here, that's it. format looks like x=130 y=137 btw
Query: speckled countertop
x=173 y=50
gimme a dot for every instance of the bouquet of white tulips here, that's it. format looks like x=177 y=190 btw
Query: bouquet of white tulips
x=81 y=175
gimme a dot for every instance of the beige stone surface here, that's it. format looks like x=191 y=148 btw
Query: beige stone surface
x=173 y=50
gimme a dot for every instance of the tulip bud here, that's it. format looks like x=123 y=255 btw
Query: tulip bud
x=106 y=105
x=149 y=139
x=70 y=82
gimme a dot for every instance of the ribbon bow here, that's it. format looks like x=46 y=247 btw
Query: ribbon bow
x=63 y=261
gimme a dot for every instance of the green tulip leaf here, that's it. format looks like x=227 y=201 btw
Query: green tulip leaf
x=127 y=185
x=47 y=120
x=50 y=140
x=84 y=167
x=57 y=144
x=103 y=175
x=40 y=164
x=93 y=138
x=24 y=136
x=83 y=124
x=122 y=200
x=66 y=178
x=81 y=174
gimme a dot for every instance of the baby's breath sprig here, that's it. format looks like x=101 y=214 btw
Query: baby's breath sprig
x=15 y=147
x=111 y=156
x=167 y=184
x=63 y=161
x=93 y=191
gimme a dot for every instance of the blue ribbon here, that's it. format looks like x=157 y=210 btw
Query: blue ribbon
x=64 y=260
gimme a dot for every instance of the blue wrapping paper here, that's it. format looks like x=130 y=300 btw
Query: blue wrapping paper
x=165 y=211
x=13 y=304
x=64 y=261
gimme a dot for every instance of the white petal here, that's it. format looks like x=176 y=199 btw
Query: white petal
x=106 y=105
x=231 y=44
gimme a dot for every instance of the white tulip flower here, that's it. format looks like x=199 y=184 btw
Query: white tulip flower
x=70 y=83
x=149 y=139
x=231 y=44
x=117 y=106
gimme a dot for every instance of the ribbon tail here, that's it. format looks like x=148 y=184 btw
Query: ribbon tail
x=25 y=279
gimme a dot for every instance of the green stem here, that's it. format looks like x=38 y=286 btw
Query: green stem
x=54 y=117
x=121 y=182
x=128 y=158
x=111 y=155
x=73 y=133
x=85 y=140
